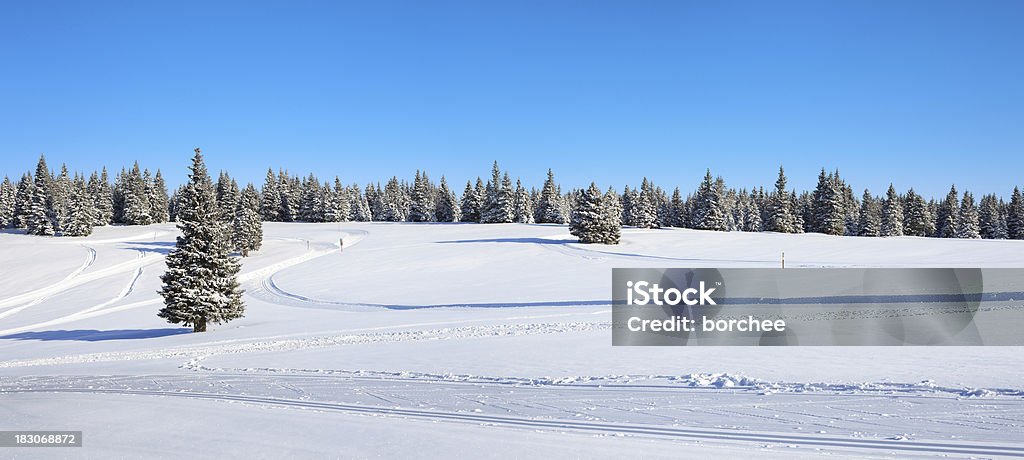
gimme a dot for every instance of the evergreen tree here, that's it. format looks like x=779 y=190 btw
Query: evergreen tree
x=708 y=214
x=247 y=233
x=828 y=213
x=270 y=198
x=136 y=199
x=339 y=204
x=311 y=202
x=422 y=207
x=870 y=216
x=548 y=207
x=917 y=217
x=945 y=222
x=39 y=215
x=447 y=206
x=60 y=199
x=1015 y=216
x=289 y=203
x=23 y=200
x=593 y=219
x=781 y=217
x=989 y=217
x=158 y=199
x=395 y=202
x=472 y=202
x=7 y=194
x=892 y=214
x=523 y=206
x=967 y=220
x=359 y=206
x=80 y=214
x=645 y=211
x=200 y=285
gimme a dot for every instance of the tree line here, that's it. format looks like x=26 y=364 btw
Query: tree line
x=49 y=203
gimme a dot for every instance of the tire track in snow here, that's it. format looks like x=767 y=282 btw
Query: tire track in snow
x=708 y=434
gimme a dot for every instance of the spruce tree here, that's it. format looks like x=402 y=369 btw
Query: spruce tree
x=159 y=200
x=80 y=214
x=137 y=210
x=870 y=216
x=360 y=207
x=422 y=206
x=247 y=233
x=591 y=219
x=949 y=210
x=23 y=200
x=967 y=221
x=523 y=206
x=7 y=194
x=989 y=217
x=892 y=214
x=39 y=215
x=270 y=198
x=708 y=213
x=447 y=206
x=200 y=285
x=548 y=209
x=917 y=216
x=611 y=210
x=645 y=211
x=781 y=217
x=103 y=200
x=472 y=203
x=1015 y=216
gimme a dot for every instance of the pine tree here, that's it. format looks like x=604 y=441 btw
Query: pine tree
x=645 y=211
x=548 y=208
x=270 y=198
x=870 y=216
x=136 y=199
x=1015 y=216
x=7 y=194
x=592 y=218
x=945 y=222
x=338 y=203
x=200 y=285
x=39 y=214
x=422 y=207
x=158 y=199
x=247 y=233
x=289 y=203
x=967 y=220
x=60 y=199
x=523 y=206
x=708 y=213
x=472 y=202
x=989 y=217
x=780 y=208
x=104 y=200
x=892 y=214
x=611 y=210
x=80 y=214
x=360 y=207
x=446 y=209
x=917 y=217
x=311 y=202
x=395 y=202
x=23 y=200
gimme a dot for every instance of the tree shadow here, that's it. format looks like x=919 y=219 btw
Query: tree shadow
x=93 y=335
x=157 y=247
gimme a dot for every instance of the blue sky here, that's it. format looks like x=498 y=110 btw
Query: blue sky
x=919 y=93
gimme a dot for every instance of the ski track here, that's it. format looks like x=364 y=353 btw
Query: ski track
x=608 y=428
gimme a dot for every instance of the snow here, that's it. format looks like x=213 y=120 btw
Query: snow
x=435 y=340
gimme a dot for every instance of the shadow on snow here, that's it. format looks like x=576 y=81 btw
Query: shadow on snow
x=93 y=335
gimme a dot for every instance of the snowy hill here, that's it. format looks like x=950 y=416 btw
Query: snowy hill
x=441 y=340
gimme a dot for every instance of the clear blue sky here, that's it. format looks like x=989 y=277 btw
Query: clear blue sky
x=920 y=93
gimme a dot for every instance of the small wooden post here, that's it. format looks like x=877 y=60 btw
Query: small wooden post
x=341 y=244
x=783 y=259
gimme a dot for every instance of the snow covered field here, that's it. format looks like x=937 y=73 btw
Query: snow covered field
x=442 y=340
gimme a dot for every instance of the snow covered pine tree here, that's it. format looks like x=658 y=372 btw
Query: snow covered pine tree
x=593 y=219
x=201 y=285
